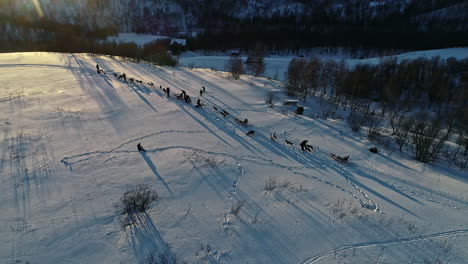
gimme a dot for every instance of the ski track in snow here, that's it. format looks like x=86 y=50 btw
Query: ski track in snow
x=452 y=233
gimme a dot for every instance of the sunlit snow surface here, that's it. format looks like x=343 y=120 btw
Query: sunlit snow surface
x=68 y=153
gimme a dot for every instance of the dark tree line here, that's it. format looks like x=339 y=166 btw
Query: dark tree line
x=412 y=25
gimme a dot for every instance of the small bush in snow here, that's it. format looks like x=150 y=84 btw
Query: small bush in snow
x=236 y=206
x=427 y=140
x=373 y=122
x=160 y=258
x=270 y=96
x=235 y=67
x=271 y=184
x=402 y=134
x=356 y=120
x=137 y=200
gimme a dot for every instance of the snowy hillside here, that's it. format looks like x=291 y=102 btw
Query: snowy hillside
x=68 y=153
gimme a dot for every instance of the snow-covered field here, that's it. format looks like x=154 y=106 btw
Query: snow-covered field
x=141 y=39
x=68 y=153
x=277 y=66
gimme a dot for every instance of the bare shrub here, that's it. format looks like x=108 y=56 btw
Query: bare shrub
x=205 y=160
x=461 y=159
x=271 y=184
x=396 y=118
x=137 y=200
x=235 y=67
x=285 y=184
x=373 y=123
x=295 y=83
x=161 y=258
x=402 y=134
x=236 y=206
x=328 y=109
x=270 y=96
x=257 y=68
x=426 y=140
x=344 y=208
x=356 y=120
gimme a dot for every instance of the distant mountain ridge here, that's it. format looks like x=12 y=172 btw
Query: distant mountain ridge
x=184 y=16
x=244 y=24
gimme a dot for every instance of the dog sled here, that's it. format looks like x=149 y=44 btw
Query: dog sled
x=340 y=159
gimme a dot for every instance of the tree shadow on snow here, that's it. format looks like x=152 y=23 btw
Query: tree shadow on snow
x=146 y=241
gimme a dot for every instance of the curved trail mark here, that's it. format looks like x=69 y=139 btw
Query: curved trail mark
x=315 y=258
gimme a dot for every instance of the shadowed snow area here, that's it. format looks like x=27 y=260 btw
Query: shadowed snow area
x=68 y=151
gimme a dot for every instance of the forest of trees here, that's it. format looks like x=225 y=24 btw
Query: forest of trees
x=278 y=24
x=424 y=100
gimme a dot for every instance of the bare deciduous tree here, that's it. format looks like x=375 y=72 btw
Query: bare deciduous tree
x=426 y=140
x=235 y=67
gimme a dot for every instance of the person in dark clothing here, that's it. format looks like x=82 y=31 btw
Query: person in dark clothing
x=199 y=104
x=187 y=99
x=97 y=67
x=305 y=147
x=168 y=91
x=140 y=148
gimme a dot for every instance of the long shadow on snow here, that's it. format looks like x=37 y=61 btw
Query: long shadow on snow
x=354 y=181
x=153 y=168
x=217 y=123
x=137 y=89
x=210 y=85
x=279 y=245
x=383 y=183
x=107 y=99
x=146 y=241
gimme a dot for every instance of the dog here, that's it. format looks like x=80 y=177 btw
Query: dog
x=273 y=136
x=214 y=107
x=240 y=122
x=131 y=80
x=116 y=75
x=151 y=84
x=138 y=81
x=250 y=133
x=187 y=99
x=225 y=113
x=289 y=142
